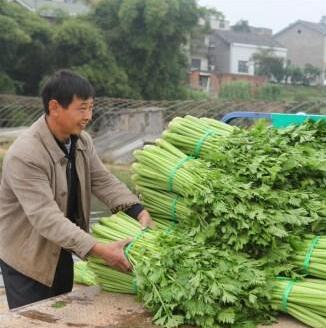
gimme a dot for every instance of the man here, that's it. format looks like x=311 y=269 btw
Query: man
x=48 y=176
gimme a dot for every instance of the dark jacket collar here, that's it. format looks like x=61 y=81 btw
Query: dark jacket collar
x=49 y=141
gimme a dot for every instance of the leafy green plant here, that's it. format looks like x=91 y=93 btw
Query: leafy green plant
x=238 y=90
x=269 y=92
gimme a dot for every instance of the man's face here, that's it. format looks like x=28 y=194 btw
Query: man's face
x=74 y=118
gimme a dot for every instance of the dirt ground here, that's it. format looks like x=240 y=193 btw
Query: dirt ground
x=3 y=299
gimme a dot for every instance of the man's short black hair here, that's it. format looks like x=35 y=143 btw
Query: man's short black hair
x=63 y=86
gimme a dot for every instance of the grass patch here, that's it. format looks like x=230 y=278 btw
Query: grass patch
x=303 y=93
x=123 y=173
x=59 y=304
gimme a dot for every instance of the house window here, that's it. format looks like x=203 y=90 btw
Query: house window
x=195 y=63
x=203 y=82
x=243 y=66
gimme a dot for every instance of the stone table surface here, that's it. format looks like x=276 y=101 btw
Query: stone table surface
x=89 y=307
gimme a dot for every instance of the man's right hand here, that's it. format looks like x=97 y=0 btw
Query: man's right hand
x=113 y=254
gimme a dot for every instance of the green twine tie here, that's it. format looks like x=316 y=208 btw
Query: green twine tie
x=131 y=245
x=134 y=286
x=201 y=141
x=174 y=172
x=172 y=226
x=174 y=209
x=286 y=295
x=311 y=248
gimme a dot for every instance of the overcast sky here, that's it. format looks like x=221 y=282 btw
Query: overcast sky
x=274 y=14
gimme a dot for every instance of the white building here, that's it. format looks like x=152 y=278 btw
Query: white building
x=231 y=52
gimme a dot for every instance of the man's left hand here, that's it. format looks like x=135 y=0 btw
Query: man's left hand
x=145 y=219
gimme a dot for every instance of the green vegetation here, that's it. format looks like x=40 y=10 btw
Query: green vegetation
x=128 y=48
x=269 y=92
x=237 y=90
x=122 y=172
x=268 y=64
x=303 y=93
x=229 y=224
x=241 y=90
x=264 y=190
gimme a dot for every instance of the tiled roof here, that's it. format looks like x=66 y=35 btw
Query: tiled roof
x=319 y=27
x=50 y=8
x=247 y=38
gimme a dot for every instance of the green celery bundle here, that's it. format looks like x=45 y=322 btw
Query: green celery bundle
x=182 y=281
x=288 y=163
x=114 y=228
x=164 y=167
x=83 y=274
x=120 y=226
x=196 y=137
x=112 y=280
x=187 y=282
x=310 y=256
x=164 y=206
x=304 y=300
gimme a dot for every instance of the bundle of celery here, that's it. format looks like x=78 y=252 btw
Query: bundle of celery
x=310 y=256
x=251 y=204
x=276 y=157
x=120 y=226
x=285 y=172
x=164 y=167
x=304 y=300
x=182 y=281
x=83 y=274
x=110 y=279
x=187 y=282
x=166 y=206
x=196 y=137
x=114 y=228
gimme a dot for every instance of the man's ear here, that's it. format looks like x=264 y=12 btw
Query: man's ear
x=53 y=107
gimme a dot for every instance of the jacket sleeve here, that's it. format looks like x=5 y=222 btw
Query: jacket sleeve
x=31 y=186
x=107 y=187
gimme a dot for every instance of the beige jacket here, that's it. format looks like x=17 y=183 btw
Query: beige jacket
x=33 y=201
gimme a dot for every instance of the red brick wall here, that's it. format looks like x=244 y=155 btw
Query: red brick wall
x=194 y=79
x=255 y=80
x=217 y=80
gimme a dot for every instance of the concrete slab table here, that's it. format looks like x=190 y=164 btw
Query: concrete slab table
x=89 y=307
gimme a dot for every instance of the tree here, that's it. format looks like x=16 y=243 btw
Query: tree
x=311 y=74
x=241 y=26
x=203 y=28
x=7 y=85
x=24 y=42
x=268 y=64
x=296 y=74
x=146 y=37
x=80 y=46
